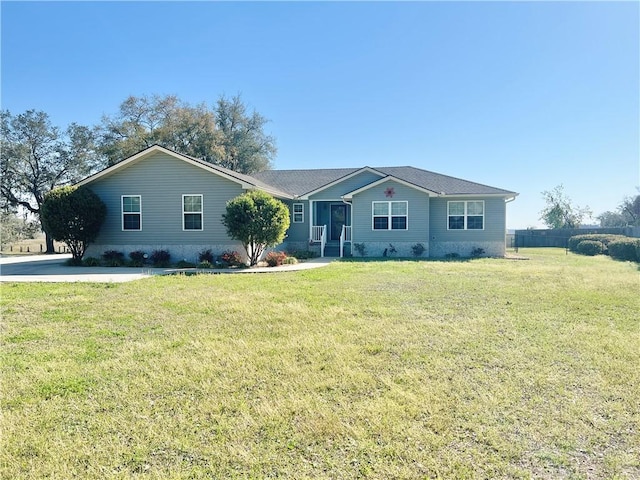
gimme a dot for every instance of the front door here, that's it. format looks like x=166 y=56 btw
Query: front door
x=338 y=219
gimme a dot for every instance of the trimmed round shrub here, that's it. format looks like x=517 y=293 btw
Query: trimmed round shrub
x=603 y=238
x=626 y=249
x=590 y=247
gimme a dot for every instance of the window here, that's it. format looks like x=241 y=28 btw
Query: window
x=390 y=215
x=131 y=212
x=466 y=215
x=298 y=212
x=192 y=212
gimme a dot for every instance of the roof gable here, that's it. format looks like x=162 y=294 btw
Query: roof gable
x=245 y=181
x=349 y=196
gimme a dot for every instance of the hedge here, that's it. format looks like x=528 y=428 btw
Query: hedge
x=590 y=247
x=604 y=238
x=627 y=249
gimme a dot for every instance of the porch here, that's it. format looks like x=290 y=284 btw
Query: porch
x=331 y=228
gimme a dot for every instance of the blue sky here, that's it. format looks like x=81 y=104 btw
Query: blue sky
x=518 y=95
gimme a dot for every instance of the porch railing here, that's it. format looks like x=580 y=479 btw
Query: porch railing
x=319 y=235
x=345 y=237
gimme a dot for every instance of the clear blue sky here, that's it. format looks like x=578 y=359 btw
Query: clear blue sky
x=522 y=96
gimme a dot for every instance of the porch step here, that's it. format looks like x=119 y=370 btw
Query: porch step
x=334 y=250
x=331 y=250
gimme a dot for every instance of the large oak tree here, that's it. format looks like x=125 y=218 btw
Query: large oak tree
x=36 y=157
x=225 y=134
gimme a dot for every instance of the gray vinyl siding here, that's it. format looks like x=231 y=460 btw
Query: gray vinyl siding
x=298 y=232
x=417 y=220
x=494 y=221
x=161 y=180
x=337 y=191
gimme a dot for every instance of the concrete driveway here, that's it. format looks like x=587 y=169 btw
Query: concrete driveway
x=52 y=268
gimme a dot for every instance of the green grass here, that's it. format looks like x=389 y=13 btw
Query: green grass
x=379 y=369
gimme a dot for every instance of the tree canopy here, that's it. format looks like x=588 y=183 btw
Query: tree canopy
x=74 y=216
x=36 y=157
x=258 y=221
x=226 y=134
x=627 y=214
x=560 y=212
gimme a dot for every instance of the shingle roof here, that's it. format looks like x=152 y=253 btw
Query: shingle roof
x=296 y=183
x=251 y=180
x=439 y=183
x=300 y=182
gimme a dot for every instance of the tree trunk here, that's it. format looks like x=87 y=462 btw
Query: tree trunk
x=49 y=240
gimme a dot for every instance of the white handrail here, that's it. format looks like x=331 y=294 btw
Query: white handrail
x=345 y=236
x=319 y=234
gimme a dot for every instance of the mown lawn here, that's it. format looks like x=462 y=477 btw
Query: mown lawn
x=398 y=369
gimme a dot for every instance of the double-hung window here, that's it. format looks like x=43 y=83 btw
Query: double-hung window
x=298 y=213
x=390 y=215
x=465 y=215
x=131 y=212
x=192 y=212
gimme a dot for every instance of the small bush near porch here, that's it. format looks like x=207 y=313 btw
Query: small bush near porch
x=378 y=369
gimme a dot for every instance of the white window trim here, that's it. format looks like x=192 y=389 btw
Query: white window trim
x=201 y=212
x=389 y=216
x=466 y=215
x=123 y=213
x=293 y=213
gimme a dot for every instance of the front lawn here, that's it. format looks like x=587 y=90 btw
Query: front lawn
x=380 y=369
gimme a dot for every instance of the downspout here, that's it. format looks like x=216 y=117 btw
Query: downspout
x=350 y=216
x=350 y=223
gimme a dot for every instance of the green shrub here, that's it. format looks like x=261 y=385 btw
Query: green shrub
x=113 y=258
x=91 y=262
x=604 y=238
x=205 y=264
x=361 y=248
x=74 y=216
x=590 y=247
x=290 y=261
x=206 y=256
x=137 y=258
x=418 y=249
x=626 y=249
x=160 y=258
